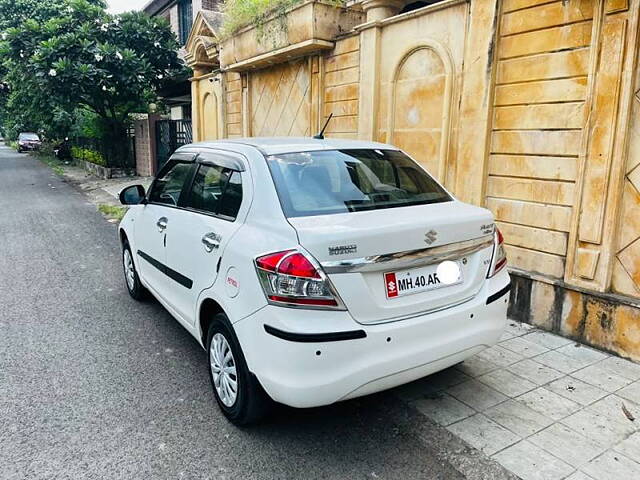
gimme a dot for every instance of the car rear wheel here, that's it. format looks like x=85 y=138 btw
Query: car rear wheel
x=238 y=392
x=134 y=287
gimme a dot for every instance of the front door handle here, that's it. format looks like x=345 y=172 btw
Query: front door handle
x=162 y=224
x=211 y=241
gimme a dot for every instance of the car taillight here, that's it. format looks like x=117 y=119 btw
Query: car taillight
x=291 y=278
x=499 y=258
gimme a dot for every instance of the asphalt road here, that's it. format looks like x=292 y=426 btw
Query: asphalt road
x=96 y=385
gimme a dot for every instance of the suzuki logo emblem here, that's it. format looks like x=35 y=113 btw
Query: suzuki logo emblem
x=430 y=237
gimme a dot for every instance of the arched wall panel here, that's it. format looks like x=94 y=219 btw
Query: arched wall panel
x=209 y=117
x=420 y=104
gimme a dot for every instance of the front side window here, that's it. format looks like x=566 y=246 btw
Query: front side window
x=216 y=190
x=168 y=186
x=342 y=181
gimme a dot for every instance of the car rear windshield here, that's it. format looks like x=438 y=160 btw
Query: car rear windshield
x=340 y=181
x=29 y=136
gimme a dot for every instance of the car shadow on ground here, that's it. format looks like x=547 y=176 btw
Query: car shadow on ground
x=281 y=416
x=359 y=438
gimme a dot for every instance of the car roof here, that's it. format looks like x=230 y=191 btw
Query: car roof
x=280 y=145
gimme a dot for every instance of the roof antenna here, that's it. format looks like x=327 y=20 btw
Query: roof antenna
x=320 y=136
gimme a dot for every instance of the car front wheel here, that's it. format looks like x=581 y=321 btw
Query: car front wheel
x=238 y=392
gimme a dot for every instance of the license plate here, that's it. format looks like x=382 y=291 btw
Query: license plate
x=416 y=280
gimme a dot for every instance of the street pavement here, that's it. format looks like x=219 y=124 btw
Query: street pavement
x=96 y=385
x=541 y=405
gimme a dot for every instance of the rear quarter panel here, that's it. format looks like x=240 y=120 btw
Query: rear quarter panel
x=265 y=229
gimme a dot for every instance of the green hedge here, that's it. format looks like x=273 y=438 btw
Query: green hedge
x=88 y=155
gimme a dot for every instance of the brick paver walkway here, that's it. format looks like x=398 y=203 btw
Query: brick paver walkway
x=542 y=406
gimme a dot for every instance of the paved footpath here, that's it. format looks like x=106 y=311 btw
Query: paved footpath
x=543 y=406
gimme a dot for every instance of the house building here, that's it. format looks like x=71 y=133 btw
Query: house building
x=180 y=15
x=528 y=107
x=158 y=137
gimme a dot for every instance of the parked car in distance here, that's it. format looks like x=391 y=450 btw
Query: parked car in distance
x=314 y=271
x=28 y=141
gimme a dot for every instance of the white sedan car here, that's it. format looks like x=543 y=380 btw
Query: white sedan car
x=314 y=271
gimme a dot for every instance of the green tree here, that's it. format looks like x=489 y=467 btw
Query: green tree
x=85 y=58
x=13 y=13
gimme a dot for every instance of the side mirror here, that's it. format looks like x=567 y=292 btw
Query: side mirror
x=132 y=195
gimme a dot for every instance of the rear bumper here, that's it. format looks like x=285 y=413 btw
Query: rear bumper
x=313 y=358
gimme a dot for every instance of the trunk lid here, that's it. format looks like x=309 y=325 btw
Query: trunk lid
x=357 y=250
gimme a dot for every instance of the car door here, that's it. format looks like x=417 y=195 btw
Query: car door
x=214 y=206
x=156 y=218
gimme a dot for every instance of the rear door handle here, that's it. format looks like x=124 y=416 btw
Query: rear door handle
x=211 y=241
x=162 y=224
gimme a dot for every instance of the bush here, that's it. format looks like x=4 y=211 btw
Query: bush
x=88 y=155
x=239 y=13
x=88 y=125
x=46 y=149
x=13 y=144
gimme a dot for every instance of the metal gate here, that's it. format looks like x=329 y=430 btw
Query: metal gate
x=102 y=151
x=170 y=135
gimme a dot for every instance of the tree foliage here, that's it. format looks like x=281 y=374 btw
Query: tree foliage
x=76 y=56
x=14 y=13
x=27 y=109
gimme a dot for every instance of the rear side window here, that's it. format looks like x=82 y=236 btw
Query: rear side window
x=342 y=181
x=232 y=196
x=168 y=185
x=216 y=190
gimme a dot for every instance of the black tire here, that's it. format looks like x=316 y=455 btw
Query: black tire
x=252 y=403
x=136 y=290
